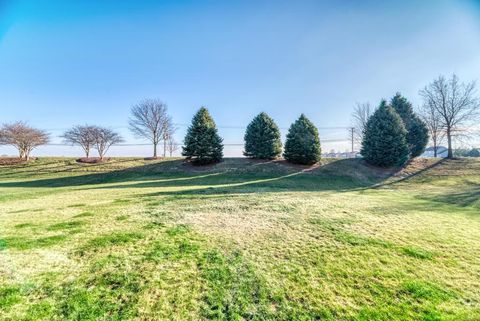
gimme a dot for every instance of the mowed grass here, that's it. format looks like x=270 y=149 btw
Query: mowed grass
x=241 y=240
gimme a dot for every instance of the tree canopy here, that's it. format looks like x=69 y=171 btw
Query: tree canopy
x=385 y=138
x=303 y=143
x=262 y=138
x=202 y=143
x=417 y=130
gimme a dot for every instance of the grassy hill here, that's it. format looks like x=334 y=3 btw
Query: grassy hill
x=241 y=240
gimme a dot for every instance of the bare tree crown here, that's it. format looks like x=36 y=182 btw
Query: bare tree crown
x=104 y=139
x=150 y=120
x=23 y=137
x=455 y=105
x=360 y=116
x=83 y=136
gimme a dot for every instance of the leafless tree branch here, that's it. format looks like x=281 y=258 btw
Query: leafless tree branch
x=23 y=137
x=360 y=116
x=148 y=120
x=456 y=104
x=82 y=136
x=104 y=138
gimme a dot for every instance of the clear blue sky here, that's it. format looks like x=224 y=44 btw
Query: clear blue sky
x=72 y=62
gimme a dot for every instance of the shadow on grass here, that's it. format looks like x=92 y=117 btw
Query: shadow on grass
x=409 y=176
x=61 y=166
x=469 y=195
x=231 y=176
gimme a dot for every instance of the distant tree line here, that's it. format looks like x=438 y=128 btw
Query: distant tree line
x=463 y=152
x=390 y=135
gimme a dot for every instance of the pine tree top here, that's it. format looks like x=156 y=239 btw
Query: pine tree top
x=402 y=106
x=203 y=118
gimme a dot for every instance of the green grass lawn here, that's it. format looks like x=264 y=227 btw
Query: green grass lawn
x=241 y=240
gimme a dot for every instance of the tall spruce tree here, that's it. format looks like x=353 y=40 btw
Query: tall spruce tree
x=303 y=144
x=417 y=131
x=202 y=143
x=262 y=138
x=385 y=138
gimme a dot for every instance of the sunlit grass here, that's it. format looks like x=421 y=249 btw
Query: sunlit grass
x=241 y=240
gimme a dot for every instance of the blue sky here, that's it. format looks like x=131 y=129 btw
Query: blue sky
x=72 y=62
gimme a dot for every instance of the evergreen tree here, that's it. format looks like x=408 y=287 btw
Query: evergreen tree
x=385 y=138
x=202 y=143
x=417 y=131
x=262 y=138
x=417 y=136
x=303 y=144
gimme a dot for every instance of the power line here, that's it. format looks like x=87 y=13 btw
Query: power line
x=178 y=144
x=218 y=126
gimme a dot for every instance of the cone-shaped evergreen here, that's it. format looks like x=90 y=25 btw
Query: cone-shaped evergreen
x=303 y=144
x=262 y=138
x=417 y=131
x=417 y=136
x=385 y=138
x=202 y=143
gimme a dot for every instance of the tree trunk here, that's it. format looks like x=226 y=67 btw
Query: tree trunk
x=164 y=148
x=434 y=148
x=154 y=150
x=87 y=152
x=449 y=140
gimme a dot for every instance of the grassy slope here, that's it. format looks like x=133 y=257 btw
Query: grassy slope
x=239 y=240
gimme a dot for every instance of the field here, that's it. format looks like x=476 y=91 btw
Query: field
x=241 y=240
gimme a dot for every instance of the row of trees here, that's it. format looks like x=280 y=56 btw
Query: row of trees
x=203 y=145
x=390 y=135
x=90 y=137
x=393 y=134
x=461 y=152
x=450 y=108
x=26 y=138
x=262 y=140
x=149 y=120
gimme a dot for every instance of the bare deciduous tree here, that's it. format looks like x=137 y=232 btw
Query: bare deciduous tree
x=433 y=120
x=360 y=116
x=82 y=136
x=171 y=144
x=148 y=119
x=168 y=130
x=456 y=104
x=104 y=139
x=23 y=137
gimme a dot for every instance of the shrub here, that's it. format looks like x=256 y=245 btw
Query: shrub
x=384 y=143
x=474 y=153
x=417 y=131
x=262 y=138
x=202 y=143
x=303 y=144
